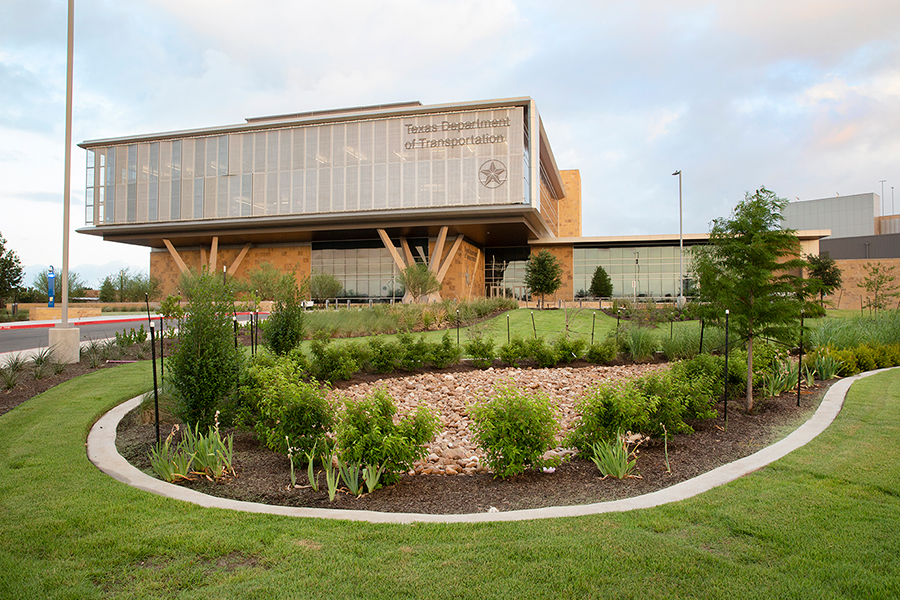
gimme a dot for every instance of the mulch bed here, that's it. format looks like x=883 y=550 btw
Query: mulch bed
x=264 y=476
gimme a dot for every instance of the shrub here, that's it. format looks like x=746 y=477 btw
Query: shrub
x=481 y=349
x=332 y=362
x=847 y=359
x=384 y=356
x=542 y=354
x=285 y=410
x=605 y=410
x=445 y=353
x=414 y=351
x=514 y=430
x=368 y=435
x=699 y=383
x=865 y=358
x=513 y=351
x=681 y=394
x=205 y=367
x=601 y=352
x=568 y=349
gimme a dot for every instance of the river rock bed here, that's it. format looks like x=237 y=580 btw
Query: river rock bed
x=453 y=451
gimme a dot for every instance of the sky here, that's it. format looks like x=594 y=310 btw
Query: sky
x=802 y=97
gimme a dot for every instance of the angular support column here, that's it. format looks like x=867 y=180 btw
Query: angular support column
x=213 y=251
x=237 y=262
x=175 y=256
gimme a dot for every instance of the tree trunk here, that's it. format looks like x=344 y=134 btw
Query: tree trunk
x=748 y=404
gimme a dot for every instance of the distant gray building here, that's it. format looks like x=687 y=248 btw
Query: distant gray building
x=845 y=216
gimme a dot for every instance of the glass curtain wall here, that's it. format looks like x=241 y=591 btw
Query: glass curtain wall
x=645 y=271
x=365 y=269
x=504 y=272
x=448 y=159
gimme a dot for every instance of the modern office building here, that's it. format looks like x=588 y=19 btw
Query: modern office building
x=470 y=189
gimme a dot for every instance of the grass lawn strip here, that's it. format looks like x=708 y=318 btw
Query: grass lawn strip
x=820 y=522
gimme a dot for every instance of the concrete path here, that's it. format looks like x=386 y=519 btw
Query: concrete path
x=101 y=450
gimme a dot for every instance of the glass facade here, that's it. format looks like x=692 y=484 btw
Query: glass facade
x=427 y=160
x=365 y=269
x=635 y=271
x=504 y=272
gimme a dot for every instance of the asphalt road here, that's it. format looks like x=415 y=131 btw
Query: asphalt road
x=16 y=339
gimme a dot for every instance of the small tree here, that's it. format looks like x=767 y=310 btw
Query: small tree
x=826 y=275
x=419 y=281
x=107 y=290
x=205 y=366
x=265 y=280
x=323 y=286
x=601 y=284
x=543 y=274
x=748 y=268
x=283 y=329
x=879 y=285
x=11 y=272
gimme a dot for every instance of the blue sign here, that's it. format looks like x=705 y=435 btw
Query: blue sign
x=51 y=276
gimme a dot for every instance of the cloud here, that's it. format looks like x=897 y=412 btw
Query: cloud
x=802 y=96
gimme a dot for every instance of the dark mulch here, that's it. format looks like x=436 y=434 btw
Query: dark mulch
x=264 y=476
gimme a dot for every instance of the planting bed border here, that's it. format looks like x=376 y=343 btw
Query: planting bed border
x=101 y=450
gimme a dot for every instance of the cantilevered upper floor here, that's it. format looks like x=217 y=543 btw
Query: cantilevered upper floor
x=485 y=168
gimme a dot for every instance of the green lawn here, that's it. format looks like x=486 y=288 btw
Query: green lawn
x=820 y=523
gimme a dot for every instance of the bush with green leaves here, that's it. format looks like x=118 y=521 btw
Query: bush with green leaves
x=367 y=434
x=514 y=429
x=607 y=409
x=414 y=351
x=283 y=329
x=332 y=362
x=542 y=353
x=445 y=353
x=384 y=355
x=284 y=410
x=481 y=349
x=568 y=348
x=682 y=393
x=205 y=368
x=602 y=352
x=515 y=350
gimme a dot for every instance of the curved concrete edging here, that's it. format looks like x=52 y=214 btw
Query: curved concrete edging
x=101 y=450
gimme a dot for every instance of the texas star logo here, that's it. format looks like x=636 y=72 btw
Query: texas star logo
x=492 y=174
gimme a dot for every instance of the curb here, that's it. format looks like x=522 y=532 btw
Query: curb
x=101 y=450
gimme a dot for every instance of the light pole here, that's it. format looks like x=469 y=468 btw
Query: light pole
x=680 y=245
x=882 y=196
x=64 y=337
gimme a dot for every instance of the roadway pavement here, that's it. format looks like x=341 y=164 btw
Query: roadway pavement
x=25 y=336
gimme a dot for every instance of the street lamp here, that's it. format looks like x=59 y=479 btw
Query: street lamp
x=882 y=196
x=64 y=337
x=680 y=245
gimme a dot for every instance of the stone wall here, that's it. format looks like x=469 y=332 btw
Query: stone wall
x=570 y=206
x=565 y=255
x=853 y=272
